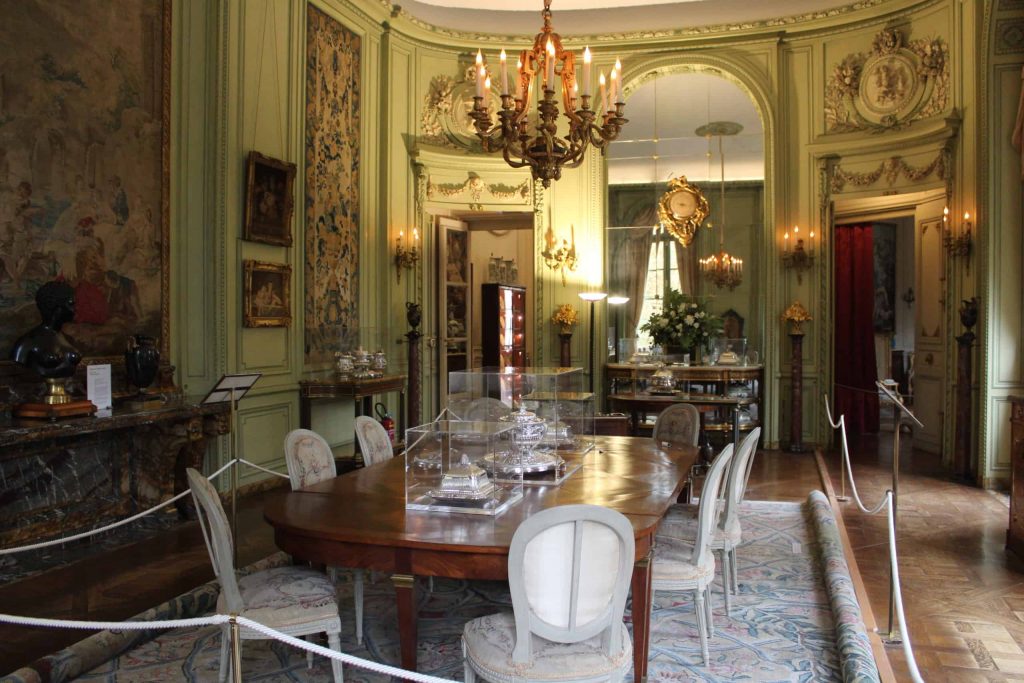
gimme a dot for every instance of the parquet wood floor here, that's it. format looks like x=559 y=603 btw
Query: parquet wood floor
x=964 y=594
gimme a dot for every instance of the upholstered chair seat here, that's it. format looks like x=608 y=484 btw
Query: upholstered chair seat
x=284 y=597
x=672 y=562
x=489 y=642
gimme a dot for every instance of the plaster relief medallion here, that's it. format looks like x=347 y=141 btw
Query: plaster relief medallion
x=445 y=120
x=893 y=85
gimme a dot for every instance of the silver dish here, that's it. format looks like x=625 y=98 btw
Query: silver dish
x=484 y=492
x=540 y=462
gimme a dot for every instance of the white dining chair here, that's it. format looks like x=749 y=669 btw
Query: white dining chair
x=690 y=565
x=374 y=442
x=681 y=520
x=569 y=569
x=310 y=461
x=679 y=424
x=297 y=601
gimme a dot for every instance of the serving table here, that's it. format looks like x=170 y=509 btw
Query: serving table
x=359 y=520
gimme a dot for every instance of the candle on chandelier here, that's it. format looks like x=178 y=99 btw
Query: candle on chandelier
x=604 y=93
x=575 y=96
x=586 y=71
x=520 y=91
x=549 y=63
x=612 y=82
x=504 y=72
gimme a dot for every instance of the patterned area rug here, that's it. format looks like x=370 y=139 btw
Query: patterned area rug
x=781 y=627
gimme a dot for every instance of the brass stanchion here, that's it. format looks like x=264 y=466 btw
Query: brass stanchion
x=236 y=651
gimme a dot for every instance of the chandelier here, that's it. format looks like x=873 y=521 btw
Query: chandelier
x=536 y=143
x=721 y=268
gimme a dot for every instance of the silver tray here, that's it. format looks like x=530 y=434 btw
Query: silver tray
x=661 y=392
x=483 y=493
x=543 y=462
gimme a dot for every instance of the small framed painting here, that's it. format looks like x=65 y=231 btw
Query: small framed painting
x=269 y=191
x=266 y=294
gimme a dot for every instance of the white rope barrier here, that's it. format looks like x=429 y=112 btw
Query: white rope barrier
x=908 y=651
x=220 y=620
x=841 y=426
x=129 y=520
x=886 y=502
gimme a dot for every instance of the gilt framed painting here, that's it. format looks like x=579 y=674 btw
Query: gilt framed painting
x=269 y=200
x=266 y=294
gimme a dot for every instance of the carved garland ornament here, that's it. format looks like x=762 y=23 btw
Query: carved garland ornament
x=475 y=187
x=445 y=119
x=891 y=169
x=888 y=88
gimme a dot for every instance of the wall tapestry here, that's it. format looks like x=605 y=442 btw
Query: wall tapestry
x=331 y=316
x=884 y=244
x=84 y=112
x=896 y=83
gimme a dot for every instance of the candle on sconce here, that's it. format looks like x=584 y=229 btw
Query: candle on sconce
x=613 y=80
x=504 y=72
x=415 y=236
x=586 y=71
x=479 y=74
x=811 y=238
x=785 y=242
x=617 y=88
x=967 y=223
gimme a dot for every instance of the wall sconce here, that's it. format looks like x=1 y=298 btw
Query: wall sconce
x=562 y=257
x=407 y=258
x=800 y=257
x=957 y=243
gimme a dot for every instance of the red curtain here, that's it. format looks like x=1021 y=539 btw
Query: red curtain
x=856 y=396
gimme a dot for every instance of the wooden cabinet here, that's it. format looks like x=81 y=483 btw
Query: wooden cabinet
x=1015 y=534
x=503 y=325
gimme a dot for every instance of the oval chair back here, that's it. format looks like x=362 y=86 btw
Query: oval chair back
x=309 y=458
x=569 y=569
x=374 y=441
x=217 y=534
x=736 y=486
x=708 y=511
x=678 y=424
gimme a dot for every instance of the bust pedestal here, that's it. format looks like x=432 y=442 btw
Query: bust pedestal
x=565 y=349
x=796 y=395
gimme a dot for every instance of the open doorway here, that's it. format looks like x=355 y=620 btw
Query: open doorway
x=485 y=291
x=888 y=298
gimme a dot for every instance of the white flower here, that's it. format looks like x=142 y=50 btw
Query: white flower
x=689 y=319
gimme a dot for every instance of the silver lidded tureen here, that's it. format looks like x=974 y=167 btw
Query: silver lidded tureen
x=662 y=382
x=528 y=430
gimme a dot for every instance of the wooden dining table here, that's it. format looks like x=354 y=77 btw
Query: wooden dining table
x=359 y=520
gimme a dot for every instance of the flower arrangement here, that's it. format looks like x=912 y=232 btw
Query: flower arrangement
x=566 y=317
x=683 y=322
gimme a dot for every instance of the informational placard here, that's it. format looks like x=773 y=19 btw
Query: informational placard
x=97 y=382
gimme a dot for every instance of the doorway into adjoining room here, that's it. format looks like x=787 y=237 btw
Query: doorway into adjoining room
x=888 y=291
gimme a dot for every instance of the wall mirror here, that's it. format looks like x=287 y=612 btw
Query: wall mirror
x=666 y=138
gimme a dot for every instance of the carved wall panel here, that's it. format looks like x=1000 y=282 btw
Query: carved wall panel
x=894 y=84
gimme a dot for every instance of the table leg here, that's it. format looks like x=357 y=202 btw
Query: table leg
x=305 y=412
x=405 y=596
x=641 y=616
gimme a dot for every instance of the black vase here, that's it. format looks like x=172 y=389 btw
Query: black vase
x=141 y=361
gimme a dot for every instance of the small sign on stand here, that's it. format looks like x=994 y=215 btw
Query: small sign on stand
x=233 y=388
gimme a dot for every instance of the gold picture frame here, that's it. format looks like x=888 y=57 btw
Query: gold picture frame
x=269 y=200
x=266 y=294
x=682 y=209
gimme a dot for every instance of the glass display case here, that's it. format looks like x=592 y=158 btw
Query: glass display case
x=444 y=467
x=548 y=405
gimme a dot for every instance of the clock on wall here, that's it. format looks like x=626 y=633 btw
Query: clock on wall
x=682 y=209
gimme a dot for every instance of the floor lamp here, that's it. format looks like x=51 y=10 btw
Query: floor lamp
x=593 y=298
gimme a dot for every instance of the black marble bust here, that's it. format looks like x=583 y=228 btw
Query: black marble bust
x=43 y=348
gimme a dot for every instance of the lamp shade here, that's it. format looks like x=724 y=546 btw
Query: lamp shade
x=593 y=296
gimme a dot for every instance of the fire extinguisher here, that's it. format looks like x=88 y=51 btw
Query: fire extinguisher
x=385 y=419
